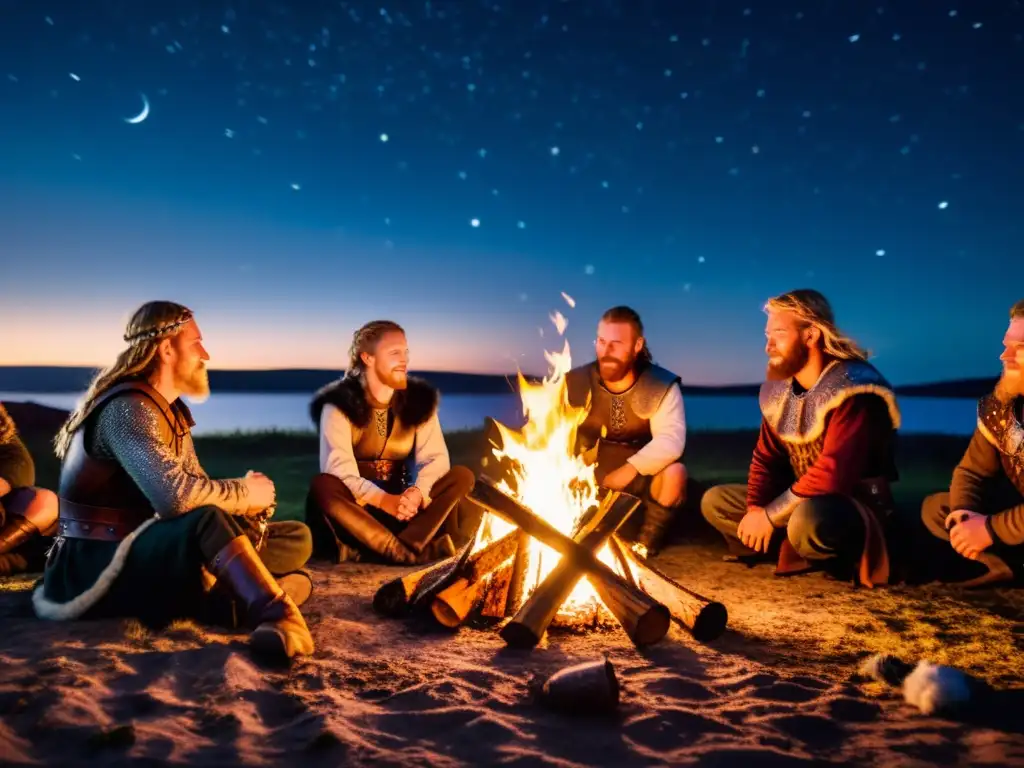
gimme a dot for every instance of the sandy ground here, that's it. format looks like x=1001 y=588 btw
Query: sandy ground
x=775 y=690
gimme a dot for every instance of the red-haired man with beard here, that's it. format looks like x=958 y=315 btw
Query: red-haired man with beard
x=818 y=490
x=982 y=514
x=386 y=487
x=636 y=426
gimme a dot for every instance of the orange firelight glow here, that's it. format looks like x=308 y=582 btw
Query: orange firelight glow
x=551 y=479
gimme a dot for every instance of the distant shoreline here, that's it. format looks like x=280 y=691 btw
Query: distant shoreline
x=62 y=379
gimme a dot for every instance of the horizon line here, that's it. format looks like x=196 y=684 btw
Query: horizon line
x=504 y=375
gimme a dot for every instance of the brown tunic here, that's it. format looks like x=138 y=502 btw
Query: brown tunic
x=996 y=449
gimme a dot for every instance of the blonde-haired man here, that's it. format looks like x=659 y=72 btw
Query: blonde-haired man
x=142 y=529
x=818 y=491
x=982 y=514
x=386 y=487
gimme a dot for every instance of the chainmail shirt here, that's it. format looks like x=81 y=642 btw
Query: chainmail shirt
x=129 y=430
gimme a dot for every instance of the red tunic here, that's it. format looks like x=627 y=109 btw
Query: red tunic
x=858 y=444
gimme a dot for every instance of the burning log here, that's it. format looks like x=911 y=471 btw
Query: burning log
x=452 y=605
x=398 y=597
x=705 y=619
x=518 y=576
x=528 y=626
x=644 y=619
x=495 y=599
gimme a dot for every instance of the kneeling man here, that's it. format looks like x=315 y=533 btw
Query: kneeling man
x=986 y=497
x=818 y=490
x=373 y=423
x=636 y=424
x=27 y=514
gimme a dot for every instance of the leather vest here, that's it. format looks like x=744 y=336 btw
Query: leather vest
x=1000 y=423
x=623 y=418
x=383 y=436
x=99 y=482
x=799 y=419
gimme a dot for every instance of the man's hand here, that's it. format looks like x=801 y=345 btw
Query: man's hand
x=755 y=529
x=390 y=504
x=409 y=503
x=261 y=491
x=5 y=487
x=968 y=533
x=618 y=479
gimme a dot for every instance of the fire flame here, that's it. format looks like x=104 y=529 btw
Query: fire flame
x=551 y=480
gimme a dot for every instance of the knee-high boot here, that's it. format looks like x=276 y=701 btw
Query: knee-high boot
x=16 y=532
x=280 y=629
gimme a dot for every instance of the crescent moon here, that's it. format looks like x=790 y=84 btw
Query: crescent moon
x=142 y=115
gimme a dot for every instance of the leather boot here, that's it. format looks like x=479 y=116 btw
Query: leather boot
x=655 y=525
x=16 y=532
x=280 y=628
x=369 y=531
x=440 y=548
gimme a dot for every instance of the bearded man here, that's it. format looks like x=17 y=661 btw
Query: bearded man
x=386 y=485
x=818 y=490
x=636 y=426
x=142 y=529
x=27 y=514
x=986 y=524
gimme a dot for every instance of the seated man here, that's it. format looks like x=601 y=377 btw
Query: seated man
x=142 y=528
x=818 y=490
x=986 y=524
x=372 y=423
x=636 y=427
x=27 y=514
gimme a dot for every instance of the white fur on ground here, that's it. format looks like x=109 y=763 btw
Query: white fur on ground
x=933 y=688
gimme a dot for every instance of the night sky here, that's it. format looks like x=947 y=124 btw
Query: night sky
x=456 y=165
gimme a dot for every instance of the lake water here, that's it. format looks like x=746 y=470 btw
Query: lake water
x=248 y=412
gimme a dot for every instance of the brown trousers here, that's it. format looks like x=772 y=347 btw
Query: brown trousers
x=338 y=522
x=948 y=565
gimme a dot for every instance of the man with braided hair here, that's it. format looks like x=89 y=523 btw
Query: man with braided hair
x=27 y=513
x=386 y=486
x=982 y=514
x=818 y=490
x=142 y=529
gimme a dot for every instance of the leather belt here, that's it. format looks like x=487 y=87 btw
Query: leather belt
x=81 y=521
x=382 y=470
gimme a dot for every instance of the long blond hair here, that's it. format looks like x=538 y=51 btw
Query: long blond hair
x=811 y=308
x=148 y=326
x=365 y=340
x=7 y=427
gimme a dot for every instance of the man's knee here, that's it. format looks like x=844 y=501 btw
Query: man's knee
x=297 y=534
x=669 y=486
x=819 y=527
x=325 y=487
x=934 y=510
x=716 y=503
x=462 y=480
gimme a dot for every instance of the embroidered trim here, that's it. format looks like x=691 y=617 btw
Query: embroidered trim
x=839 y=399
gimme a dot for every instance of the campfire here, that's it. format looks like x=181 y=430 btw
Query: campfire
x=547 y=550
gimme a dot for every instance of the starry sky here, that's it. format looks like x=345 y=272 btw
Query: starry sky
x=456 y=165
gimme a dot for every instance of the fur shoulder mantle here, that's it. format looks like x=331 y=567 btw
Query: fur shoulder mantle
x=413 y=405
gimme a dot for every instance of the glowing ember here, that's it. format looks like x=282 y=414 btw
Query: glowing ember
x=550 y=478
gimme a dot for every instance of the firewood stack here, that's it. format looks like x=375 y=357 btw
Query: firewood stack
x=488 y=584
